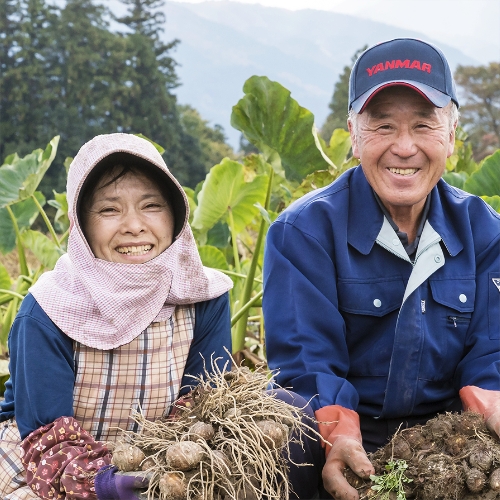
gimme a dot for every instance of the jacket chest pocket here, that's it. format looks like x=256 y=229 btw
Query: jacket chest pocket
x=370 y=311
x=450 y=318
x=371 y=298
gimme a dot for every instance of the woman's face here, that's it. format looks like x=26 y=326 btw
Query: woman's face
x=129 y=220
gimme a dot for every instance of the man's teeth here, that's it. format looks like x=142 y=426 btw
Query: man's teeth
x=139 y=250
x=403 y=171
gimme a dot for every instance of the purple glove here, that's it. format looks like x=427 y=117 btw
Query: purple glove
x=113 y=485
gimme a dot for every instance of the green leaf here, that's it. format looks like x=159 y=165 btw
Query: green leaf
x=159 y=148
x=219 y=235
x=494 y=201
x=339 y=147
x=274 y=122
x=486 y=180
x=44 y=249
x=316 y=180
x=20 y=178
x=456 y=179
x=5 y=280
x=191 y=196
x=67 y=163
x=61 y=218
x=25 y=213
x=225 y=190
x=213 y=257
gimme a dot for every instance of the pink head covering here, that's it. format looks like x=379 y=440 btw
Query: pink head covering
x=105 y=304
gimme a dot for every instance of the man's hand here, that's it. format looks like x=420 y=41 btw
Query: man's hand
x=346 y=451
x=339 y=427
x=485 y=402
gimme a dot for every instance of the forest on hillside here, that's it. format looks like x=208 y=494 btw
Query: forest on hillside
x=64 y=71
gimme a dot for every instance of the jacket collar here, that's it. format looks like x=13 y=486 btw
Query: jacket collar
x=366 y=218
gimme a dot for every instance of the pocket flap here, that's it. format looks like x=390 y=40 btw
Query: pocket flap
x=370 y=298
x=459 y=294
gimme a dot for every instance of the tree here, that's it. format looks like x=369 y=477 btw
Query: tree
x=480 y=106
x=340 y=101
x=211 y=140
x=26 y=75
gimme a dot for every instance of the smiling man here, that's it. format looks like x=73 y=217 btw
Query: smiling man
x=380 y=300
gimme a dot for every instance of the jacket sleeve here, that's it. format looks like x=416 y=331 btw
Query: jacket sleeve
x=41 y=369
x=305 y=332
x=211 y=338
x=481 y=364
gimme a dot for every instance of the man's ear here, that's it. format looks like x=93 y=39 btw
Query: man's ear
x=354 y=138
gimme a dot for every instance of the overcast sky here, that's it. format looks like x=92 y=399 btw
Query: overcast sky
x=472 y=26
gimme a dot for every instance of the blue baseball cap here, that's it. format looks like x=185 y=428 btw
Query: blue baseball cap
x=402 y=61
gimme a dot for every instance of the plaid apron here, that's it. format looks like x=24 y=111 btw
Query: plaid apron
x=143 y=375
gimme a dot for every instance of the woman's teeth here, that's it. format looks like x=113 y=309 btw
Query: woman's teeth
x=403 y=171
x=139 y=250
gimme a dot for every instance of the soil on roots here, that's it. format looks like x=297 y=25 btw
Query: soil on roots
x=452 y=457
x=228 y=442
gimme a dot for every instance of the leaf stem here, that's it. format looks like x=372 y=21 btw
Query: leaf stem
x=47 y=221
x=20 y=249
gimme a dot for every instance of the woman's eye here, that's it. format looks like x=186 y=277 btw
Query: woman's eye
x=107 y=210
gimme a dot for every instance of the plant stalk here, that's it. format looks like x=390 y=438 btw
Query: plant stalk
x=234 y=242
x=47 y=221
x=20 y=249
x=241 y=327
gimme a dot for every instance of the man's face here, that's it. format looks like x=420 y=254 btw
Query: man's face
x=402 y=141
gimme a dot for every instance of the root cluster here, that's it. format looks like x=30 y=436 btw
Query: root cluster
x=451 y=457
x=230 y=441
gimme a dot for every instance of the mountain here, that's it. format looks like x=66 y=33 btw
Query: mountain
x=223 y=43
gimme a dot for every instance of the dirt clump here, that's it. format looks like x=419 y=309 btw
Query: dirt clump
x=452 y=457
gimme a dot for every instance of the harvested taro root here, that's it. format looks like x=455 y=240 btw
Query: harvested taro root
x=229 y=443
x=452 y=457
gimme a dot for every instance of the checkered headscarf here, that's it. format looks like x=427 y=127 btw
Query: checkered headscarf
x=106 y=304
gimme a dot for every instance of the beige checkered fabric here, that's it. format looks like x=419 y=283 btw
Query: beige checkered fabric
x=143 y=375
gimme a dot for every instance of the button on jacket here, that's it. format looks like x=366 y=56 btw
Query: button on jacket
x=352 y=321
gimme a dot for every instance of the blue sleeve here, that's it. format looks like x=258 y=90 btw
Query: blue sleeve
x=305 y=332
x=212 y=333
x=481 y=364
x=41 y=369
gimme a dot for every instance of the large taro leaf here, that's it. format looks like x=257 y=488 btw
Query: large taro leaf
x=19 y=177
x=493 y=201
x=44 y=249
x=213 y=257
x=486 y=180
x=273 y=121
x=456 y=179
x=339 y=146
x=25 y=213
x=225 y=191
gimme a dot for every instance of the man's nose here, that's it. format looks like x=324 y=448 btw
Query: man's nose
x=404 y=144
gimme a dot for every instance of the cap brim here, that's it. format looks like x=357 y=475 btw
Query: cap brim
x=434 y=96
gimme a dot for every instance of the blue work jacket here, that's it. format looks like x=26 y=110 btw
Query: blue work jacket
x=351 y=320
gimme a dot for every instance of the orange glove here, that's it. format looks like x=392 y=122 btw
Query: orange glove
x=485 y=402
x=340 y=427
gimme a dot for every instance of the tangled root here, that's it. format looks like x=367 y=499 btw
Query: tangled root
x=230 y=443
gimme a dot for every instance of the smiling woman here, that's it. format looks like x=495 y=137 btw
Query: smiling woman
x=121 y=324
x=126 y=216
